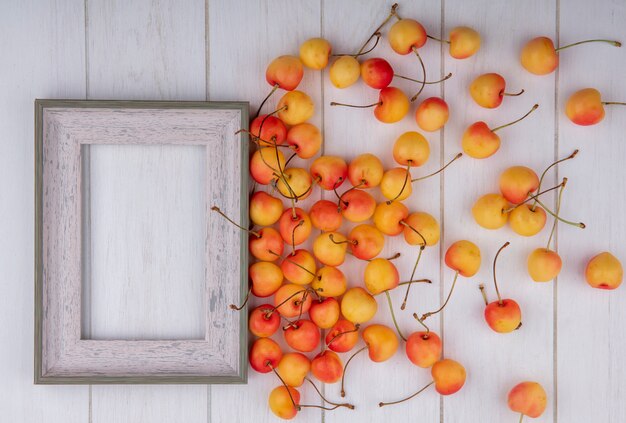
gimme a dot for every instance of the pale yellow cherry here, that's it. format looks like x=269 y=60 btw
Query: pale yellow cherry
x=344 y=71
x=544 y=265
x=426 y=225
x=527 y=222
x=299 y=181
x=381 y=275
x=388 y=217
x=489 y=211
x=604 y=271
x=295 y=107
x=396 y=184
x=330 y=248
x=358 y=306
x=265 y=210
x=411 y=147
x=314 y=53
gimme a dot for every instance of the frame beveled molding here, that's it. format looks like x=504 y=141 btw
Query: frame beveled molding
x=61 y=355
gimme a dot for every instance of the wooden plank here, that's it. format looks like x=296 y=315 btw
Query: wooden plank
x=42 y=44
x=350 y=132
x=146 y=50
x=591 y=342
x=496 y=362
x=237 y=62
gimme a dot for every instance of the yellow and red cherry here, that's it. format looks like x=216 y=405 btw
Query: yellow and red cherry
x=315 y=52
x=344 y=71
x=265 y=354
x=325 y=312
x=365 y=171
x=293 y=368
x=365 y=241
x=295 y=107
x=295 y=183
x=381 y=275
x=585 y=107
x=281 y=402
x=449 y=376
x=302 y=335
x=327 y=367
x=265 y=210
x=480 y=142
x=376 y=73
x=325 y=216
x=528 y=399
x=396 y=184
x=263 y=321
x=420 y=227
x=503 y=315
x=343 y=336
x=357 y=205
x=291 y=300
x=304 y=139
x=294 y=226
x=464 y=258
x=411 y=148
x=487 y=90
x=432 y=114
x=265 y=164
x=490 y=211
x=329 y=172
x=286 y=72
x=388 y=217
x=544 y=265
x=517 y=182
x=266 y=244
x=358 y=306
x=265 y=277
x=269 y=129
x=392 y=105
x=604 y=271
x=299 y=267
x=540 y=57
x=423 y=348
x=329 y=282
x=464 y=42
x=406 y=35
x=330 y=248
x=527 y=222
x=382 y=342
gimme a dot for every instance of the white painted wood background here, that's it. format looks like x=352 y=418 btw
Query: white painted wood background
x=573 y=340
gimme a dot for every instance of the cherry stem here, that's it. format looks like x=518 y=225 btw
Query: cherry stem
x=558 y=210
x=346 y=241
x=458 y=156
x=521 y=417
x=571 y=156
x=393 y=315
x=495 y=282
x=612 y=42
x=423 y=73
x=421 y=323
x=276 y=307
x=423 y=245
x=448 y=76
x=515 y=121
x=377 y=35
x=382 y=404
x=533 y=197
x=274 y=88
x=484 y=294
x=392 y=12
x=430 y=313
x=345 y=368
x=245 y=301
x=293 y=236
x=438 y=39
x=577 y=224
x=334 y=103
x=406 y=180
x=356 y=329
x=513 y=94
x=255 y=139
x=414 y=281
x=611 y=103
x=290 y=159
x=408 y=288
x=217 y=209
x=350 y=406
x=269 y=364
x=395 y=256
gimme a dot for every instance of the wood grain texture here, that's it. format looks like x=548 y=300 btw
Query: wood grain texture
x=147 y=50
x=496 y=362
x=591 y=342
x=350 y=132
x=42 y=56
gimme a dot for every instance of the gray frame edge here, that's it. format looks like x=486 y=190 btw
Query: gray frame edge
x=39 y=378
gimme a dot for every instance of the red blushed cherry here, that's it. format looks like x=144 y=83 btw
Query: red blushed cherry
x=329 y=172
x=376 y=73
x=265 y=354
x=343 y=336
x=270 y=129
x=357 y=205
x=325 y=216
x=294 y=226
x=264 y=321
x=267 y=246
x=302 y=335
x=423 y=348
x=327 y=367
x=325 y=312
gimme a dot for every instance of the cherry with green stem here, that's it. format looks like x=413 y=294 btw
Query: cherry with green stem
x=382 y=404
x=495 y=281
x=571 y=156
x=362 y=53
x=345 y=368
x=430 y=313
x=458 y=156
x=245 y=301
x=558 y=209
x=419 y=256
x=517 y=120
x=532 y=197
x=481 y=287
x=612 y=42
x=350 y=406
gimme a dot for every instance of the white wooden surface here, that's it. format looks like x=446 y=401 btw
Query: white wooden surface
x=573 y=340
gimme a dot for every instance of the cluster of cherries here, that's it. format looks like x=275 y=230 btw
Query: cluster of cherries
x=315 y=285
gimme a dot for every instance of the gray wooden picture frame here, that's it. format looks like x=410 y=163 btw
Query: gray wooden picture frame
x=61 y=355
